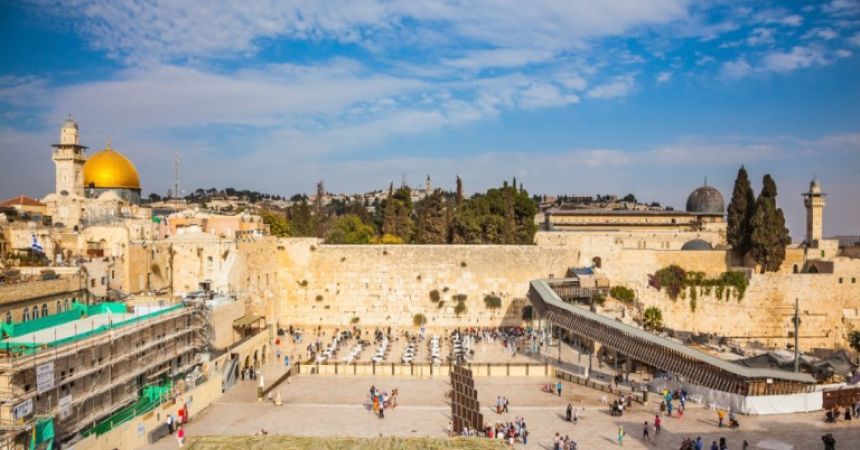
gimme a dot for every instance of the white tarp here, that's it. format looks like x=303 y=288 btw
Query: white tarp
x=65 y=406
x=755 y=405
x=23 y=409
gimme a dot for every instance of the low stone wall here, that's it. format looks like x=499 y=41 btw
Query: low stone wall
x=425 y=370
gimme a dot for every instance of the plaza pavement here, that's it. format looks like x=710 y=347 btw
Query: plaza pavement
x=333 y=406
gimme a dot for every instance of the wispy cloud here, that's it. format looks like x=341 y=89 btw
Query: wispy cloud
x=618 y=87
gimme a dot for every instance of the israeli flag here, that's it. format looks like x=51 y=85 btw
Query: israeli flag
x=36 y=247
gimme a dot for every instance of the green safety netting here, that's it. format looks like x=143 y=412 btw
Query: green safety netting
x=150 y=397
x=42 y=435
x=25 y=348
x=19 y=328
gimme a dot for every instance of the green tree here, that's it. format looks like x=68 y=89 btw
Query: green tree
x=350 y=229
x=302 y=222
x=740 y=212
x=278 y=224
x=623 y=294
x=769 y=235
x=432 y=221
x=653 y=318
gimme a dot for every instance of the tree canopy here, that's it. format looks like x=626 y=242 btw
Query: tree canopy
x=349 y=229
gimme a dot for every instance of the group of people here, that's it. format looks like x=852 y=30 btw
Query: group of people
x=699 y=444
x=174 y=425
x=623 y=403
x=511 y=432
x=380 y=400
x=572 y=414
x=833 y=414
x=667 y=405
x=563 y=443
x=502 y=405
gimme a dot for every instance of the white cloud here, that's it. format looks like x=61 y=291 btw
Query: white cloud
x=545 y=95
x=618 y=87
x=761 y=36
x=842 y=7
x=778 y=16
x=821 y=33
x=855 y=40
x=799 y=57
x=736 y=69
x=500 y=57
x=136 y=31
x=664 y=77
x=842 y=53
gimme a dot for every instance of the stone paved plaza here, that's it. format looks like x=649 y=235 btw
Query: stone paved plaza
x=333 y=406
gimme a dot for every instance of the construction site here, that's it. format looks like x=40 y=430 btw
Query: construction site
x=82 y=371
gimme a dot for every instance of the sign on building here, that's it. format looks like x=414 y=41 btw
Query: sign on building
x=65 y=406
x=44 y=377
x=23 y=409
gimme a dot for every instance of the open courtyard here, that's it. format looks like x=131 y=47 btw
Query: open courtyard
x=329 y=406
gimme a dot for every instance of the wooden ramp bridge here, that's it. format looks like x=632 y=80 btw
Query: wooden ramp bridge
x=551 y=300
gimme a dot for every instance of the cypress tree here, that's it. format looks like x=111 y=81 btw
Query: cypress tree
x=769 y=235
x=740 y=213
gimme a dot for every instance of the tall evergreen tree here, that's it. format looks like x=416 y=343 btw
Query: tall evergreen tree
x=740 y=213
x=769 y=235
x=432 y=223
x=302 y=222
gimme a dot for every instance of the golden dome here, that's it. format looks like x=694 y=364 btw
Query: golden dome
x=109 y=169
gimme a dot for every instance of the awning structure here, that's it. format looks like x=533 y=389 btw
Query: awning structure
x=245 y=321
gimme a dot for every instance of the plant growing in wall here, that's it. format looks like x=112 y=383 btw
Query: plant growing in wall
x=460 y=309
x=319 y=298
x=434 y=296
x=303 y=283
x=671 y=278
x=492 y=301
x=462 y=263
x=598 y=299
x=854 y=340
x=419 y=320
x=622 y=294
x=354 y=320
x=459 y=298
x=440 y=305
x=653 y=318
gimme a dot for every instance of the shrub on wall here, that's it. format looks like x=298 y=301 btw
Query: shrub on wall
x=492 y=302
x=622 y=294
x=434 y=296
x=675 y=279
x=419 y=320
x=354 y=320
x=319 y=298
x=460 y=308
x=598 y=299
x=460 y=298
x=440 y=305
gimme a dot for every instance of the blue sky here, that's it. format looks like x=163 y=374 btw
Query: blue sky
x=618 y=96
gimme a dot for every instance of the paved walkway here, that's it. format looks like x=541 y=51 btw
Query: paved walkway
x=333 y=406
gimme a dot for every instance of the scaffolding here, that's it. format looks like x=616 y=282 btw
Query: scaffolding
x=80 y=377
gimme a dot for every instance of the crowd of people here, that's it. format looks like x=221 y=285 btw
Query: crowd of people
x=563 y=443
x=834 y=414
x=380 y=400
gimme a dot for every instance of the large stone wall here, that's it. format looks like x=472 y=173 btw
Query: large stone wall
x=383 y=285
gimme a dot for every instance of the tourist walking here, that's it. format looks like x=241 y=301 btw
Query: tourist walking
x=180 y=435
x=569 y=412
x=657 y=424
x=621 y=435
x=645 y=434
x=558 y=388
x=721 y=416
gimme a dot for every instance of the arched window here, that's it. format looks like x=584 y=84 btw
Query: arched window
x=59 y=306
x=66 y=308
x=44 y=310
x=795 y=270
x=35 y=311
x=8 y=316
x=26 y=314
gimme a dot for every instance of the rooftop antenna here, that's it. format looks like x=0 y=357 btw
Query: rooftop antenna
x=176 y=176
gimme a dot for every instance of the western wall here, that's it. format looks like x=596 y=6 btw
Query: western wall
x=302 y=282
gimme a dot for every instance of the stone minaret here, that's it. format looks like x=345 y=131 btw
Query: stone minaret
x=814 y=202
x=69 y=160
